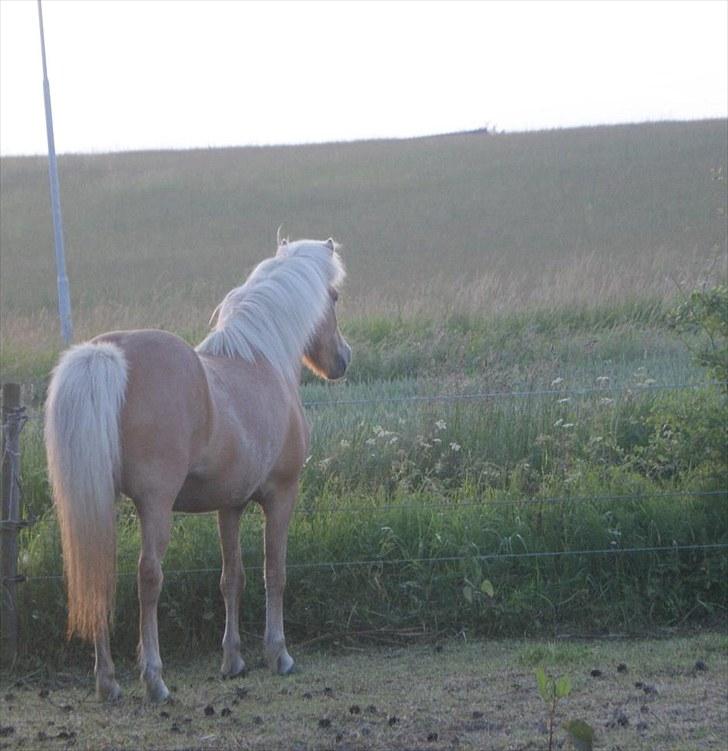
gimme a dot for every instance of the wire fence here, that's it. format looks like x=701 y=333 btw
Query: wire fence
x=497 y=395
x=453 y=504
x=563 y=392
x=420 y=560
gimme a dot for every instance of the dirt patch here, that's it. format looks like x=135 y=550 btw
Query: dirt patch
x=636 y=695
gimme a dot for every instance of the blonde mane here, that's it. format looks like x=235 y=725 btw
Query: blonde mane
x=275 y=313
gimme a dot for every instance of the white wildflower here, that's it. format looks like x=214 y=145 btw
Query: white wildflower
x=344 y=443
x=606 y=401
x=557 y=381
x=370 y=441
x=441 y=425
x=455 y=446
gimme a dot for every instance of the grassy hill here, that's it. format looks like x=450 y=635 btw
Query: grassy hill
x=476 y=223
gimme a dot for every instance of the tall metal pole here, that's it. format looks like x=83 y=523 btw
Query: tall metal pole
x=64 y=298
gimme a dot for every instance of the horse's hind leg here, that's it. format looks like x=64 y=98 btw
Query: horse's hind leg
x=232 y=583
x=278 y=508
x=107 y=689
x=156 y=523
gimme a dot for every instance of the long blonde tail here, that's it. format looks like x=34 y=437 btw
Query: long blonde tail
x=83 y=445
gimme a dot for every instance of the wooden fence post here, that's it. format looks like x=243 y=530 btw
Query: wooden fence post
x=12 y=423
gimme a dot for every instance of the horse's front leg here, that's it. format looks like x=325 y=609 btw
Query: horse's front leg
x=156 y=521
x=278 y=507
x=232 y=583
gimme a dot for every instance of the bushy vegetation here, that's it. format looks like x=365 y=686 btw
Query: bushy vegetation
x=705 y=313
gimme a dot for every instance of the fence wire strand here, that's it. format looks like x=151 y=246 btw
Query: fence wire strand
x=491 y=395
x=545 y=554
x=453 y=504
x=498 y=395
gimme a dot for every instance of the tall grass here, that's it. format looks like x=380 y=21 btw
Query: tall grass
x=396 y=586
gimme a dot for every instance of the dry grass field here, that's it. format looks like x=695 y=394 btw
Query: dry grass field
x=478 y=223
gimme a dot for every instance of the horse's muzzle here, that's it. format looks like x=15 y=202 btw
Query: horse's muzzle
x=343 y=358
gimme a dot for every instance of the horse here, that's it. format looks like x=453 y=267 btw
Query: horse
x=142 y=413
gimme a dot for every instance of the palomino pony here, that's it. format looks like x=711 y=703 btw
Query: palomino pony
x=195 y=430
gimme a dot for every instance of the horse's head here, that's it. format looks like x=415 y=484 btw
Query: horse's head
x=327 y=353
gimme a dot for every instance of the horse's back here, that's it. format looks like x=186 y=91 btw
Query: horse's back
x=166 y=413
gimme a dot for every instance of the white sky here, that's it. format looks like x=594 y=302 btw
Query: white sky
x=142 y=74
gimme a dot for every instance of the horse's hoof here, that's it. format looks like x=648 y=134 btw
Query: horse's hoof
x=285 y=664
x=236 y=668
x=157 y=692
x=109 y=691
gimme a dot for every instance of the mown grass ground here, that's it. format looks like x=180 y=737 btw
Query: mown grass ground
x=659 y=694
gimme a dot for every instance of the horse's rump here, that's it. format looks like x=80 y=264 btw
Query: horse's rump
x=165 y=419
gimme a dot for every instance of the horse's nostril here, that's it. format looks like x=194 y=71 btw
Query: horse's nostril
x=341 y=364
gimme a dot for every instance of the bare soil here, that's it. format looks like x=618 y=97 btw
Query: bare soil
x=656 y=694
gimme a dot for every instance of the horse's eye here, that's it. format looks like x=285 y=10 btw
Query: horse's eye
x=334 y=295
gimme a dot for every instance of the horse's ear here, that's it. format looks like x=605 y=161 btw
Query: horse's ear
x=330 y=244
x=280 y=240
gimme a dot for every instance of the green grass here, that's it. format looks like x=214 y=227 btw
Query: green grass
x=390 y=489
x=401 y=481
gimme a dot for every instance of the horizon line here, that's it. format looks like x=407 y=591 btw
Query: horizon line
x=486 y=129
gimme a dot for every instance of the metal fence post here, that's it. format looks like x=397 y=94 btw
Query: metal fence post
x=64 y=298
x=12 y=422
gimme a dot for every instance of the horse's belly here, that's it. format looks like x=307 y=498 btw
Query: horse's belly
x=199 y=495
